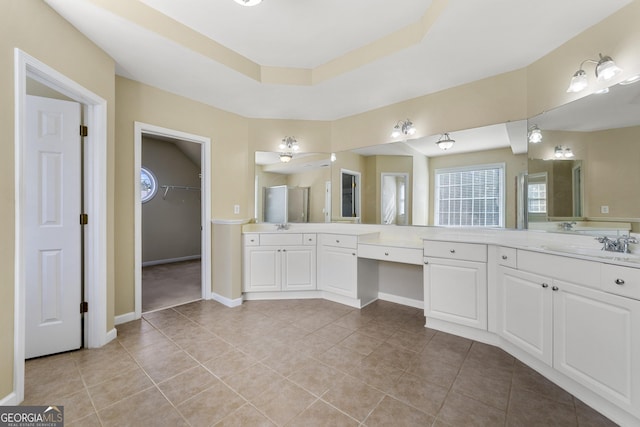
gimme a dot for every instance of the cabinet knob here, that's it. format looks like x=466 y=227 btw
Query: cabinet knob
x=310 y=240
x=279 y=250
x=504 y=257
x=252 y=240
x=544 y=285
x=284 y=250
x=386 y=253
x=426 y=262
x=619 y=282
x=353 y=253
x=554 y=288
x=453 y=251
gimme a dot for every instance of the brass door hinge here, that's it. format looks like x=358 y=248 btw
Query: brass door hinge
x=84 y=131
x=84 y=307
x=84 y=219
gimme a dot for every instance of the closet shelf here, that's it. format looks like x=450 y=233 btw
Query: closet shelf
x=177 y=187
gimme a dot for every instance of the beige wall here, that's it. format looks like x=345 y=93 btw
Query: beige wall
x=229 y=166
x=170 y=226
x=60 y=46
x=514 y=165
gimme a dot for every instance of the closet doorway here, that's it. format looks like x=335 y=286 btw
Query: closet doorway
x=172 y=231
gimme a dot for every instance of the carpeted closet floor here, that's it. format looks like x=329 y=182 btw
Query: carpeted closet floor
x=166 y=285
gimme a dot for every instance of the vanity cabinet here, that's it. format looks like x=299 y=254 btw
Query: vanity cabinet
x=591 y=336
x=284 y=262
x=455 y=283
x=338 y=261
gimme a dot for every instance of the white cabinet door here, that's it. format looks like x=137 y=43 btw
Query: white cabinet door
x=338 y=272
x=456 y=291
x=597 y=342
x=298 y=268
x=525 y=312
x=262 y=269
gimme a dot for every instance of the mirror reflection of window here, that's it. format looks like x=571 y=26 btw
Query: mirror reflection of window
x=148 y=185
x=470 y=196
x=537 y=194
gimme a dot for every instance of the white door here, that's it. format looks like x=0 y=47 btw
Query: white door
x=52 y=230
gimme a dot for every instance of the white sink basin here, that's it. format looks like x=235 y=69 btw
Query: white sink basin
x=592 y=252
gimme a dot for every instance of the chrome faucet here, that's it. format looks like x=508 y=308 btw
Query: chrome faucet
x=621 y=244
x=282 y=227
x=567 y=226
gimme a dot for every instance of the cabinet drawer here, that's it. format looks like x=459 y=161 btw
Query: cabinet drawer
x=578 y=271
x=308 y=239
x=280 y=239
x=624 y=281
x=390 y=253
x=507 y=257
x=339 y=240
x=251 y=239
x=453 y=250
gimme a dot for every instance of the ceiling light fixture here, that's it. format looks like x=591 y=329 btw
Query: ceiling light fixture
x=606 y=69
x=403 y=127
x=445 y=142
x=563 y=153
x=248 y=2
x=631 y=80
x=289 y=145
x=534 y=135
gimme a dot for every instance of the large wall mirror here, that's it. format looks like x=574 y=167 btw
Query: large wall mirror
x=398 y=180
x=293 y=191
x=585 y=173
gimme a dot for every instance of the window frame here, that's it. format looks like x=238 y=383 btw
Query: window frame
x=154 y=184
x=501 y=167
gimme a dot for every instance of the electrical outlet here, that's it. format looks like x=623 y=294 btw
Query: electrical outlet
x=236 y=209
x=604 y=209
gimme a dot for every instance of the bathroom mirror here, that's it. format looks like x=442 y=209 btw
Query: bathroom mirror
x=598 y=185
x=397 y=179
x=293 y=191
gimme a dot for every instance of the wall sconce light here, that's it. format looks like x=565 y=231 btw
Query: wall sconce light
x=534 y=135
x=289 y=145
x=606 y=69
x=333 y=157
x=563 y=153
x=403 y=127
x=248 y=2
x=445 y=142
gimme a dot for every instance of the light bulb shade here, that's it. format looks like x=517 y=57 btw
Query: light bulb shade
x=535 y=135
x=578 y=82
x=403 y=127
x=445 y=142
x=606 y=69
x=558 y=153
x=286 y=157
x=568 y=153
x=248 y=2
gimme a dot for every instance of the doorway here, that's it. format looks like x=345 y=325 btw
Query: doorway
x=94 y=111
x=174 y=192
x=170 y=187
x=394 y=202
x=349 y=194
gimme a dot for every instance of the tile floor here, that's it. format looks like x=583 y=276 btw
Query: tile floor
x=297 y=363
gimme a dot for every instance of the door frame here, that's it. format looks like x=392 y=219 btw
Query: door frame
x=141 y=129
x=95 y=194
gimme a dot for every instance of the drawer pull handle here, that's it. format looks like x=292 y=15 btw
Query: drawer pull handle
x=544 y=285
x=386 y=253
x=310 y=240
x=555 y=288
x=453 y=251
x=354 y=254
x=284 y=250
x=619 y=282
x=252 y=240
x=504 y=257
x=279 y=250
x=337 y=241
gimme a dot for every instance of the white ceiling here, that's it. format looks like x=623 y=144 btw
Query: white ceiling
x=468 y=41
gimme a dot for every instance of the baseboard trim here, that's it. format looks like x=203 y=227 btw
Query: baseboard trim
x=124 y=318
x=170 y=260
x=9 y=400
x=111 y=335
x=226 y=301
x=401 y=300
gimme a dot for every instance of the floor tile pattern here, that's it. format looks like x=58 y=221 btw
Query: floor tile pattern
x=297 y=363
